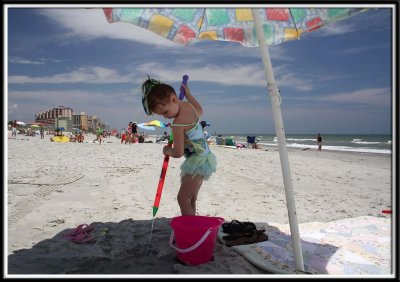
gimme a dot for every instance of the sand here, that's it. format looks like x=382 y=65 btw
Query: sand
x=53 y=187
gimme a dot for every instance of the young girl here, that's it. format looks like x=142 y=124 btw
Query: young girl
x=200 y=163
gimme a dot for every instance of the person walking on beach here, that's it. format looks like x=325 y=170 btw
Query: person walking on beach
x=200 y=162
x=14 y=129
x=319 y=141
x=99 y=133
x=41 y=130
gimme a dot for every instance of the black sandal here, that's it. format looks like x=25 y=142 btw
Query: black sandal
x=236 y=226
x=245 y=238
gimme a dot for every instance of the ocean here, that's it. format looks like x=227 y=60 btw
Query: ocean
x=362 y=143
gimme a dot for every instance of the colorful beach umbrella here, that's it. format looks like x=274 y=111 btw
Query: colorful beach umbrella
x=144 y=126
x=156 y=123
x=251 y=28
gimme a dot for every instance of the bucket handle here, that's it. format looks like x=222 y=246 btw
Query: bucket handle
x=202 y=239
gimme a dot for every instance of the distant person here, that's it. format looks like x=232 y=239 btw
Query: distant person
x=41 y=132
x=135 y=134
x=80 y=137
x=207 y=135
x=319 y=141
x=99 y=133
x=220 y=140
x=141 y=138
x=164 y=137
x=123 y=136
x=129 y=133
x=14 y=129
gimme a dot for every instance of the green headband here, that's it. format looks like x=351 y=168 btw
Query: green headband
x=146 y=88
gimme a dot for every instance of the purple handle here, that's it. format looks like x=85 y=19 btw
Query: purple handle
x=185 y=78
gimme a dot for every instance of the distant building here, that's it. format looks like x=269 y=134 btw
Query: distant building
x=80 y=121
x=64 y=117
x=50 y=116
x=65 y=122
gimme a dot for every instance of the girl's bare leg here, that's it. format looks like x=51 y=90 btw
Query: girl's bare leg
x=194 y=198
x=187 y=195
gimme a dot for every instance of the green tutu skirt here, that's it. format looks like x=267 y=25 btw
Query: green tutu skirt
x=200 y=165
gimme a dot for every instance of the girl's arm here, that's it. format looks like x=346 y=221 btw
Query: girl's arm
x=178 y=149
x=192 y=100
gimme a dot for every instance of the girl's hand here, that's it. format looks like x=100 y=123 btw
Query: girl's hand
x=187 y=90
x=167 y=150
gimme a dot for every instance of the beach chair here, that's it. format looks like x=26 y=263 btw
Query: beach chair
x=251 y=141
x=230 y=142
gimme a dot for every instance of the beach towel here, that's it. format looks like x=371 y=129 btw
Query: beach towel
x=352 y=246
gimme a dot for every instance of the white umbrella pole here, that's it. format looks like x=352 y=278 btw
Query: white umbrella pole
x=280 y=134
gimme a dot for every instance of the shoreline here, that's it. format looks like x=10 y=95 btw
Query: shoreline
x=294 y=149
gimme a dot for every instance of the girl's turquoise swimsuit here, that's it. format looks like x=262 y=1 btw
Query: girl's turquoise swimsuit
x=199 y=158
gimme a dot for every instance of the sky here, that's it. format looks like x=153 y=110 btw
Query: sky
x=335 y=80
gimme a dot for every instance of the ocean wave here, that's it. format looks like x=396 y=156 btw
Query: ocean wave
x=297 y=139
x=332 y=148
x=364 y=142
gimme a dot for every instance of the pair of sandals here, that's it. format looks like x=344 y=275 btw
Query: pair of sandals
x=81 y=234
x=242 y=233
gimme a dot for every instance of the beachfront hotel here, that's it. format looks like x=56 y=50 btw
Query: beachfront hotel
x=65 y=117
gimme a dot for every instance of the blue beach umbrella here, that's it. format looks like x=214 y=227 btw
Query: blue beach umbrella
x=251 y=28
x=146 y=127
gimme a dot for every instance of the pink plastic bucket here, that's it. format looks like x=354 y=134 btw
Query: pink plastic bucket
x=195 y=237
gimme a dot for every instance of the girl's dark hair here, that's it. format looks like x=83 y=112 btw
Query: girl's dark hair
x=154 y=92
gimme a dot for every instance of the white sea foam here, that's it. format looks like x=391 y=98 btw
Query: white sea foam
x=332 y=148
x=364 y=142
x=299 y=139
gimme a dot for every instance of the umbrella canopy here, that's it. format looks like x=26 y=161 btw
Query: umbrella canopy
x=249 y=27
x=143 y=126
x=60 y=129
x=35 y=126
x=189 y=25
x=21 y=123
x=156 y=123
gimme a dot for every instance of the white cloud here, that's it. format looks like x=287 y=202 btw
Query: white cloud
x=12 y=108
x=90 y=74
x=88 y=24
x=336 y=29
x=377 y=97
x=245 y=75
x=232 y=75
x=294 y=81
x=16 y=60
x=371 y=96
x=362 y=49
x=39 y=61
